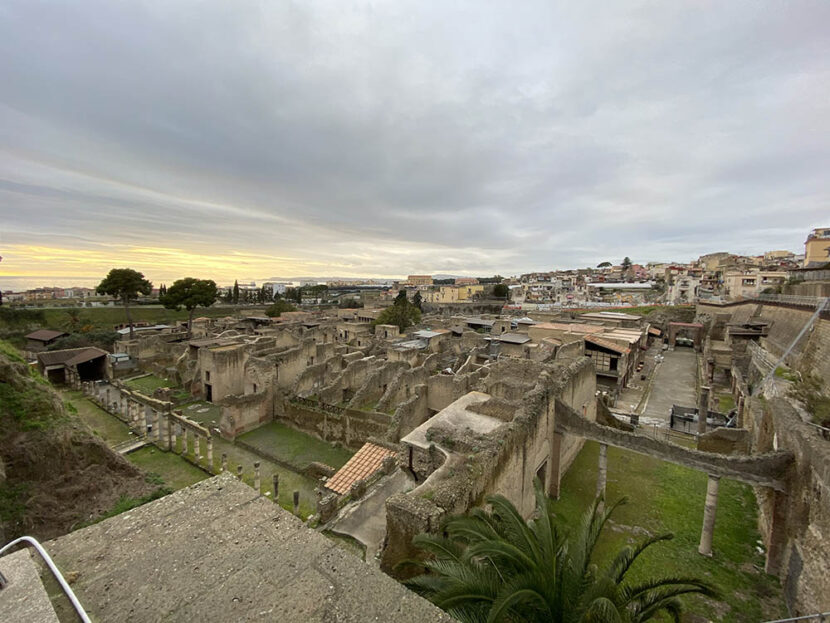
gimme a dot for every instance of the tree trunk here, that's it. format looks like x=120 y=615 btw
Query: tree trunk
x=190 y=323
x=129 y=319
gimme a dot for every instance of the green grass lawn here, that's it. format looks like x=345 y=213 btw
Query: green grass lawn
x=147 y=384
x=205 y=413
x=112 y=430
x=663 y=497
x=289 y=481
x=726 y=403
x=174 y=471
x=295 y=448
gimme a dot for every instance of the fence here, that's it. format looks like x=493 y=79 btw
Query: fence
x=684 y=419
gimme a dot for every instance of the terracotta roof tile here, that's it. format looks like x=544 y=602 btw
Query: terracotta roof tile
x=366 y=462
x=607 y=344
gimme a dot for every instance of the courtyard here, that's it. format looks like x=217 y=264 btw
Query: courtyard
x=663 y=497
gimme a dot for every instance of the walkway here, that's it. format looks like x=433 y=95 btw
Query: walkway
x=366 y=520
x=218 y=551
x=673 y=384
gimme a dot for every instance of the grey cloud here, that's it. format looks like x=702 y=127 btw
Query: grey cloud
x=479 y=137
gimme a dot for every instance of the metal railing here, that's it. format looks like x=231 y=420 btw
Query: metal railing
x=821 y=617
x=28 y=540
x=805 y=301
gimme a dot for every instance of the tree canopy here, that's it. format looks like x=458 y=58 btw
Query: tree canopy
x=494 y=566
x=604 y=265
x=190 y=293
x=501 y=291
x=403 y=315
x=278 y=308
x=626 y=263
x=125 y=284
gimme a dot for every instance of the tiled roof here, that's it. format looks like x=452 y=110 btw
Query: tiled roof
x=62 y=357
x=44 y=335
x=366 y=462
x=607 y=344
x=88 y=354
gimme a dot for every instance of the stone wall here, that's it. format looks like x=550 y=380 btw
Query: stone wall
x=241 y=414
x=348 y=427
x=795 y=526
x=505 y=461
x=811 y=354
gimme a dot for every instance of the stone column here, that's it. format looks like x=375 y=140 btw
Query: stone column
x=276 y=487
x=555 y=472
x=171 y=433
x=257 y=481
x=239 y=472
x=777 y=532
x=157 y=427
x=184 y=440
x=224 y=462
x=209 y=443
x=297 y=503
x=602 y=472
x=741 y=405
x=709 y=511
x=702 y=409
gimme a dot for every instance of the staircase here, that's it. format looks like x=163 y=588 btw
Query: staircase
x=23 y=597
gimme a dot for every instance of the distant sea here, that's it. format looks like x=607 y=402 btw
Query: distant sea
x=16 y=284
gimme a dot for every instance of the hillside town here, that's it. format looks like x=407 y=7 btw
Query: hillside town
x=721 y=276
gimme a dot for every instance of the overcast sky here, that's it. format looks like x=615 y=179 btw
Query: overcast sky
x=243 y=139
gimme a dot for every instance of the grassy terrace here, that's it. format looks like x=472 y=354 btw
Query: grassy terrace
x=173 y=470
x=147 y=384
x=112 y=430
x=663 y=497
x=295 y=448
x=292 y=447
x=205 y=413
x=289 y=481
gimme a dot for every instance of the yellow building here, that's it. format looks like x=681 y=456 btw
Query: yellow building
x=817 y=247
x=453 y=294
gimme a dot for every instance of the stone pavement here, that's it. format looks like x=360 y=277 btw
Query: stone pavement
x=674 y=383
x=217 y=551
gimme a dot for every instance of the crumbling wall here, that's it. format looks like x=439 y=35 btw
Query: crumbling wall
x=241 y=414
x=376 y=384
x=725 y=441
x=226 y=367
x=349 y=427
x=409 y=415
x=444 y=389
x=507 y=460
x=795 y=526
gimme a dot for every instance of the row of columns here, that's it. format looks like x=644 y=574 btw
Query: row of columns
x=170 y=433
x=709 y=509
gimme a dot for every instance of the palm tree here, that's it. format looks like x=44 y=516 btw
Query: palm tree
x=493 y=566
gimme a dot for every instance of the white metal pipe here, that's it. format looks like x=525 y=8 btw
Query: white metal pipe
x=54 y=569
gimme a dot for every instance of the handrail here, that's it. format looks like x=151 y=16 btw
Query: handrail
x=54 y=569
x=821 y=616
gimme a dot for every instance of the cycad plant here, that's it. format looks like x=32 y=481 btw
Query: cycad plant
x=494 y=566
